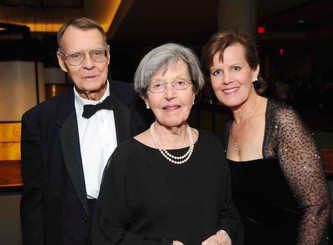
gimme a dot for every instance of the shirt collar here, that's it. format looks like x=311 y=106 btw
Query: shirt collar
x=81 y=101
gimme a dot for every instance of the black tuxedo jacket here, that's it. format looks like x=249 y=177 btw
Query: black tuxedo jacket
x=54 y=206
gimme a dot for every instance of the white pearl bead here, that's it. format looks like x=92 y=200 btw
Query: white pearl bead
x=169 y=156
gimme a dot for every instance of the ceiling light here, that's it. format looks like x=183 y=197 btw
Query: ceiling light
x=51 y=20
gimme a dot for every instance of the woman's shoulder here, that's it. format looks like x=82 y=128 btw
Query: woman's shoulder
x=206 y=134
x=208 y=138
x=125 y=148
x=287 y=120
x=281 y=111
x=273 y=105
x=126 y=155
x=210 y=149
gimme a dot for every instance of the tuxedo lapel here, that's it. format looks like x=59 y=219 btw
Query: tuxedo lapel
x=122 y=122
x=69 y=139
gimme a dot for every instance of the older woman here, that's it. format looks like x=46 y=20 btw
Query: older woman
x=278 y=182
x=169 y=184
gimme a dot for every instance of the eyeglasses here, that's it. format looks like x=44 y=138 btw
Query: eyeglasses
x=159 y=86
x=76 y=58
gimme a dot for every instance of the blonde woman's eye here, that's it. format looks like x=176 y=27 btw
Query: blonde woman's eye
x=216 y=72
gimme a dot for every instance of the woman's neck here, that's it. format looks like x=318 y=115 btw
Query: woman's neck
x=252 y=107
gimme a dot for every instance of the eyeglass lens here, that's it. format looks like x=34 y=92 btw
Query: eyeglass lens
x=158 y=86
x=97 y=55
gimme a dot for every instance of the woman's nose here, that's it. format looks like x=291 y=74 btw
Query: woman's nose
x=227 y=78
x=169 y=91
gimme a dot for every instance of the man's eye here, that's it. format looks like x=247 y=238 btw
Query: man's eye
x=75 y=56
x=97 y=52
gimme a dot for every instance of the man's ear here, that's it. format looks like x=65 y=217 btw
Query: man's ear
x=109 y=56
x=61 y=63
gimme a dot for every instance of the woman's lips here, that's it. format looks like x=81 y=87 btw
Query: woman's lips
x=229 y=90
x=171 y=107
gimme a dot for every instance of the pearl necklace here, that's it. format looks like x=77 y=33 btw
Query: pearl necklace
x=166 y=154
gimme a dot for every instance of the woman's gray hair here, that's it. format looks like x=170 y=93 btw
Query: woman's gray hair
x=163 y=57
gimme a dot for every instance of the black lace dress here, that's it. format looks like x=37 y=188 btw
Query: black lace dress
x=282 y=198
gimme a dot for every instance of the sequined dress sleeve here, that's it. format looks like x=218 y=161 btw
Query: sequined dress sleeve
x=289 y=140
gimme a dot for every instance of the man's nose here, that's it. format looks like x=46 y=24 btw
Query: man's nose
x=88 y=61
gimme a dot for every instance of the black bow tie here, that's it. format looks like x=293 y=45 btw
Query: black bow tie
x=89 y=110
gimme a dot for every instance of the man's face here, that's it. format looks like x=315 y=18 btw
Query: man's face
x=90 y=76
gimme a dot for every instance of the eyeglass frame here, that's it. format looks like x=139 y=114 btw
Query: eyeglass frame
x=65 y=56
x=187 y=80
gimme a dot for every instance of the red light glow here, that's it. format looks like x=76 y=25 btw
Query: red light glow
x=261 y=29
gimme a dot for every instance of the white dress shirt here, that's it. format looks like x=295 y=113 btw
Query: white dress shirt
x=97 y=141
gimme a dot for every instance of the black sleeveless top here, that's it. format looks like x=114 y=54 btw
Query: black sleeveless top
x=268 y=209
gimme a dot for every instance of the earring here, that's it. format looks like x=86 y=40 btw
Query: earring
x=147 y=106
x=193 y=102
